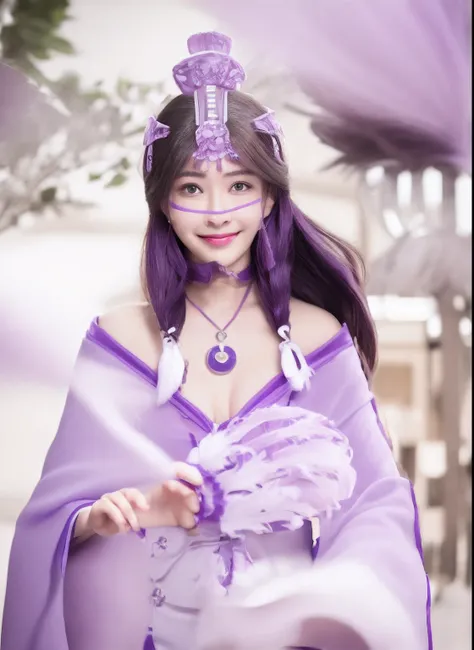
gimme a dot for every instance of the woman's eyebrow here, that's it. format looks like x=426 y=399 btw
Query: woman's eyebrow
x=194 y=174
x=240 y=172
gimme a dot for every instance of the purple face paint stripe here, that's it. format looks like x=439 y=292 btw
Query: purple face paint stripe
x=175 y=206
x=419 y=546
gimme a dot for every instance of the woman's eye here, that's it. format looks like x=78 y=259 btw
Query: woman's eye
x=191 y=189
x=240 y=187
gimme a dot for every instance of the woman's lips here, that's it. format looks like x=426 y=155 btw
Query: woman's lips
x=219 y=240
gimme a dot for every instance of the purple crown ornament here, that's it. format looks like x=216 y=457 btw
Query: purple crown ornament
x=208 y=74
x=267 y=123
x=154 y=131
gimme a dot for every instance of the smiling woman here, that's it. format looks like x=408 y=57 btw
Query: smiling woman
x=226 y=208
x=218 y=420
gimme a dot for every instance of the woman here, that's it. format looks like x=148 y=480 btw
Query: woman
x=230 y=263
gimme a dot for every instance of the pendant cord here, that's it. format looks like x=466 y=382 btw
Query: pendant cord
x=239 y=309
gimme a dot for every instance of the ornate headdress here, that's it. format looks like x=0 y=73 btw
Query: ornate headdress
x=208 y=74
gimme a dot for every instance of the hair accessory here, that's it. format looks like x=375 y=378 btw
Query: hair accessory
x=293 y=364
x=171 y=368
x=154 y=131
x=267 y=123
x=208 y=74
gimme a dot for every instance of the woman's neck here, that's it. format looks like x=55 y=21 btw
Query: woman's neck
x=209 y=283
x=223 y=290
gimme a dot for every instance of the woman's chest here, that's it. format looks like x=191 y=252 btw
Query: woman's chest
x=225 y=373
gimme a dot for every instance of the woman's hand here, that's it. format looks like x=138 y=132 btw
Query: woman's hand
x=117 y=512
x=175 y=502
x=171 y=503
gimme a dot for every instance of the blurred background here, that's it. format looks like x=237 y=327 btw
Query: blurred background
x=383 y=92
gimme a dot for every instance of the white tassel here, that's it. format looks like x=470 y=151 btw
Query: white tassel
x=298 y=377
x=170 y=368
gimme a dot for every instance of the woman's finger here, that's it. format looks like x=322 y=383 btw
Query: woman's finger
x=112 y=513
x=136 y=498
x=177 y=488
x=192 y=502
x=186 y=494
x=188 y=473
x=187 y=520
x=120 y=500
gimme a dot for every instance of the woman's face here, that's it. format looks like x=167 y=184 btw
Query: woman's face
x=215 y=222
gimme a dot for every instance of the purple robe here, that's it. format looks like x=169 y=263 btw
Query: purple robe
x=97 y=596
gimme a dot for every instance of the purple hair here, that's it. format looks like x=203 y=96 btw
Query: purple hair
x=310 y=263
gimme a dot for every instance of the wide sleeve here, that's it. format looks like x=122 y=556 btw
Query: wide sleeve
x=93 y=452
x=367 y=589
x=373 y=544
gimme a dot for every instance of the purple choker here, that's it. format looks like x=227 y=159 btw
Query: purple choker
x=205 y=272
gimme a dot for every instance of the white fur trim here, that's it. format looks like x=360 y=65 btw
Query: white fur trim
x=170 y=368
x=298 y=378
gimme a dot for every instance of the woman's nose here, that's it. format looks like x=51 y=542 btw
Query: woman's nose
x=217 y=220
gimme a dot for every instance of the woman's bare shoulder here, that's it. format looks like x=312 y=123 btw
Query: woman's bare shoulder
x=135 y=327
x=311 y=327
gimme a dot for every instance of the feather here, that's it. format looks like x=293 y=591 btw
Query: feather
x=413 y=107
x=171 y=368
x=273 y=470
x=365 y=143
x=293 y=363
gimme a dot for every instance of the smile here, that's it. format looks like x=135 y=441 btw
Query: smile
x=219 y=240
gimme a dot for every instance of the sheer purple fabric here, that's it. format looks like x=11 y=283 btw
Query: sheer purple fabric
x=99 y=596
x=357 y=594
x=391 y=77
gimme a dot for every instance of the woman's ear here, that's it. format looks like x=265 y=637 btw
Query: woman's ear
x=268 y=205
x=165 y=209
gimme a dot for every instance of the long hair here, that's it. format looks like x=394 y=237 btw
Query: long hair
x=310 y=263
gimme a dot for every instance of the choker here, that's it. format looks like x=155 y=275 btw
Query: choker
x=206 y=272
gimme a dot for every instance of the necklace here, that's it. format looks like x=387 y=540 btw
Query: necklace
x=221 y=359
